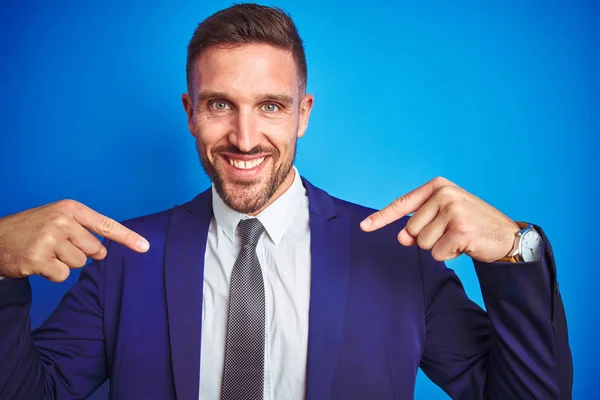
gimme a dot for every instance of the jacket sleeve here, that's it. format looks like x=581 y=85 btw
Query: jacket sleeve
x=64 y=358
x=518 y=349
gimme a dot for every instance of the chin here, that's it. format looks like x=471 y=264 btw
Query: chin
x=244 y=197
x=247 y=196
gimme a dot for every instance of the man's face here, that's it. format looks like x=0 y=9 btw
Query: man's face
x=246 y=111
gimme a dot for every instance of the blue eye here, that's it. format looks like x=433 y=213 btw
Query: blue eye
x=270 y=107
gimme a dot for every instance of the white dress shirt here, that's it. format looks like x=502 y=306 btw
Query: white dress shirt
x=284 y=255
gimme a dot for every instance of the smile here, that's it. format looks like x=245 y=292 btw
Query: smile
x=240 y=164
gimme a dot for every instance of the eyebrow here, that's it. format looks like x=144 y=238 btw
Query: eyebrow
x=278 y=98
x=210 y=95
x=275 y=97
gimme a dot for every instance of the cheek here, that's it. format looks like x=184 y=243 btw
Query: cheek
x=280 y=133
x=210 y=133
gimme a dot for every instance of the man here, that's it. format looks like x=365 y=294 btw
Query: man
x=265 y=286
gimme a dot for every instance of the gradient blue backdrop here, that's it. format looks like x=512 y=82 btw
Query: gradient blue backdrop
x=499 y=96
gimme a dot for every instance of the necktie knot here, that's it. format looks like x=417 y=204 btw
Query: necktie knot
x=250 y=231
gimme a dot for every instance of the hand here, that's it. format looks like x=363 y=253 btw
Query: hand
x=51 y=239
x=449 y=221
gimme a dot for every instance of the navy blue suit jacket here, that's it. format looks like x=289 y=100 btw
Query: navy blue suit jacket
x=378 y=312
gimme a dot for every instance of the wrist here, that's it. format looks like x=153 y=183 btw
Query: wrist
x=514 y=250
x=527 y=245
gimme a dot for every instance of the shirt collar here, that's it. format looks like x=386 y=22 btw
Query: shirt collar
x=276 y=218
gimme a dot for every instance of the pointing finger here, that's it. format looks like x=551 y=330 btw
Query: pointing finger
x=110 y=229
x=404 y=205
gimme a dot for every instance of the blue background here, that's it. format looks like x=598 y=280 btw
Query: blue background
x=499 y=96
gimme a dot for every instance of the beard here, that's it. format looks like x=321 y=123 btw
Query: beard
x=247 y=196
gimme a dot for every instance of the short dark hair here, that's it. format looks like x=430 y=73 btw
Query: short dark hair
x=247 y=24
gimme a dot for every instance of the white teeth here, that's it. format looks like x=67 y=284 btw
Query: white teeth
x=246 y=164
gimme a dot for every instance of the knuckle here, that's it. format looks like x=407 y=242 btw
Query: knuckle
x=36 y=255
x=32 y=254
x=422 y=241
x=440 y=180
x=67 y=205
x=399 y=202
x=436 y=255
x=106 y=226
x=378 y=216
x=447 y=193
x=99 y=255
x=97 y=247
x=80 y=260
x=45 y=239
x=57 y=219
x=461 y=228
x=59 y=274
x=455 y=208
x=411 y=229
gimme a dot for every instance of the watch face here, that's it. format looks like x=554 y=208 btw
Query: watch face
x=531 y=246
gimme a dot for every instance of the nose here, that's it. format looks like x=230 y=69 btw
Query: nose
x=245 y=134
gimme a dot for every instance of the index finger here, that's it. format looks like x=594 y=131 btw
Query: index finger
x=403 y=205
x=110 y=229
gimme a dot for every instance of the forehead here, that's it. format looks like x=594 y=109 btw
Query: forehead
x=246 y=70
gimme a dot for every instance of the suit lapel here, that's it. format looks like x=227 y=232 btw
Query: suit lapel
x=184 y=275
x=330 y=269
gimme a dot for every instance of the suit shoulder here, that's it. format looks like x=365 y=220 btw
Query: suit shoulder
x=153 y=227
x=149 y=222
x=359 y=212
x=160 y=220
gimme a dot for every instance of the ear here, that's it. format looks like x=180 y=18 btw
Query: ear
x=305 y=109
x=188 y=106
